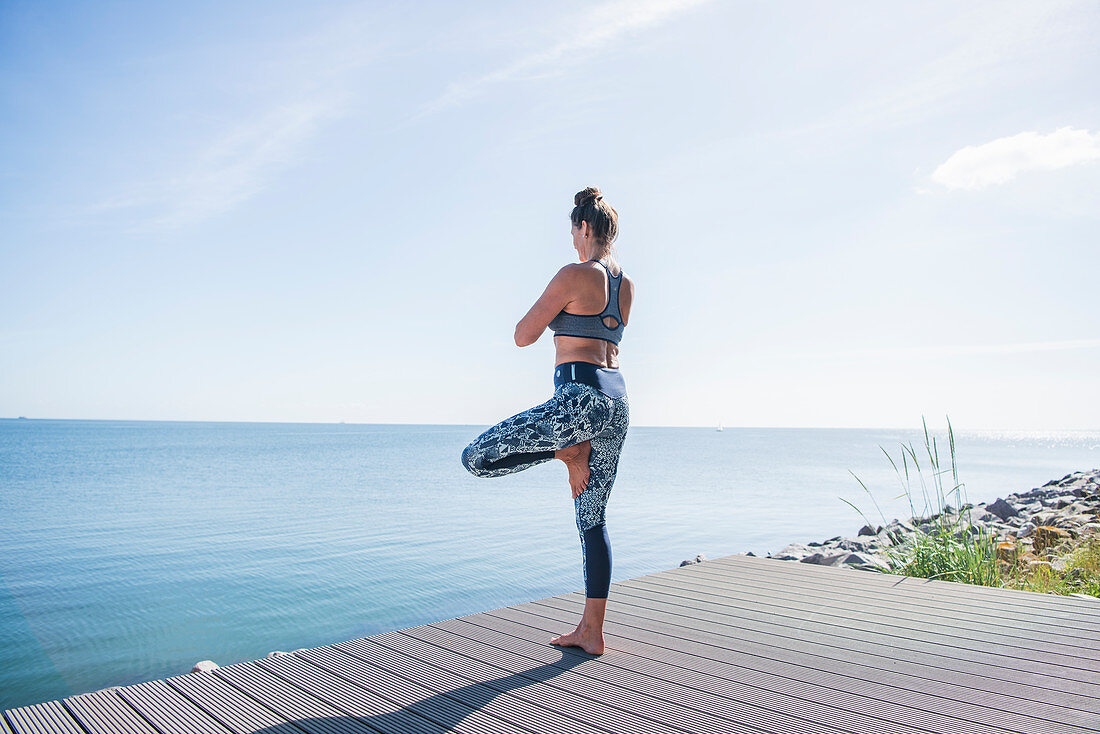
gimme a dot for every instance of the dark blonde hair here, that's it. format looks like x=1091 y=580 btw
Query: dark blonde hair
x=603 y=220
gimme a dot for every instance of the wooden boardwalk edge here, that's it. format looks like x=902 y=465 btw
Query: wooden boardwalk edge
x=738 y=644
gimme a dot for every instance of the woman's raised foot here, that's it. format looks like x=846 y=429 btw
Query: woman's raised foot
x=576 y=461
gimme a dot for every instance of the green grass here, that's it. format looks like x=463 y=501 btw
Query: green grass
x=1081 y=574
x=955 y=548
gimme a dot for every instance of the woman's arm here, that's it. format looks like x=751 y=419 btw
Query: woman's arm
x=555 y=298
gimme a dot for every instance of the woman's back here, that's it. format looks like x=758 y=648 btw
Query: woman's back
x=590 y=287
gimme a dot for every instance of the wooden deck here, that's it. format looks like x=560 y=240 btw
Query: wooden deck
x=738 y=644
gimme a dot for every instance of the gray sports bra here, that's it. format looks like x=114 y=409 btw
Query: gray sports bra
x=592 y=326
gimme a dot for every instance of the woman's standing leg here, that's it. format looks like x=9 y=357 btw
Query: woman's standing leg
x=591 y=508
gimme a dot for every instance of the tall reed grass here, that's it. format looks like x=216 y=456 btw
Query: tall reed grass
x=947 y=545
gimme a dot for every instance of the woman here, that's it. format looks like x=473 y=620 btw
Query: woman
x=584 y=424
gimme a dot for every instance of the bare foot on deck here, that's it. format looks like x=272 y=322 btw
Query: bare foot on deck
x=589 y=641
x=576 y=460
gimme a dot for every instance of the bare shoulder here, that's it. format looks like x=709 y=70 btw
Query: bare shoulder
x=566 y=281
x=628 y=284
x=626 y=297
x=576 y=272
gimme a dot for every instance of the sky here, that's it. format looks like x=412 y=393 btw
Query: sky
x=836 y=214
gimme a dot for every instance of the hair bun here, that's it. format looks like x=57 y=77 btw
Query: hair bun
x=590 y=195
x=603 y=221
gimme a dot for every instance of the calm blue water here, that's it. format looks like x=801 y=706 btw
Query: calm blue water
x=131 y=550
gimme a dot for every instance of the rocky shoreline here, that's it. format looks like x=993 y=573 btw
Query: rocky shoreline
x=205 y=666
x=1032 y=524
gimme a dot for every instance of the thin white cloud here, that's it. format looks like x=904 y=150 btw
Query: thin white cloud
x=602 y=25
x=980 y=44
x=228 y=171
x=250 y=152
x=1001 y=160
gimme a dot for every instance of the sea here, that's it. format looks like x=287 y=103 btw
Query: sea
x=132 y=550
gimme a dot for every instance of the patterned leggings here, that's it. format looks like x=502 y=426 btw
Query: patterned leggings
x=577 y=413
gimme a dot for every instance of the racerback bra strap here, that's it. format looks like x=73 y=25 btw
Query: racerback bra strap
x=592 y=326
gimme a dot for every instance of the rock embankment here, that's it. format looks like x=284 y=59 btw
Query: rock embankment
x=205 y=666
x=1034 y=522
x=1029 y=526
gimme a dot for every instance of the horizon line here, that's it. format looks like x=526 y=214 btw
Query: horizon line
x=712 y=427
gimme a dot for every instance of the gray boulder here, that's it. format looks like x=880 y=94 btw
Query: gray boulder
x=1002 y=509
x=698 y=559
x=827 y=560
x=866 y=562
x=853 y=545
x=792 y=552
x=897 y=534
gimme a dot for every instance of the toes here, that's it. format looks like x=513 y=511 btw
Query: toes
x=565 y=640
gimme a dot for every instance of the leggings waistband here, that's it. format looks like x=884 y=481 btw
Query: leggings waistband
x=607 y=380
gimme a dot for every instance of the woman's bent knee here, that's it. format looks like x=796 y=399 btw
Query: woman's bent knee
x=471 y=460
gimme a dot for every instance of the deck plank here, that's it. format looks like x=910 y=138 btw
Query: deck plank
x=740 y=644
x=1079 y=658
x=295 y=705
x=502 y=702
x=537 y=684
x=826 y=630
x=240 y=713
x=861 y=672
x=901 y=617
x=664 y=701
x=106 y=711
x=836 y=674
x=393 y=693
x=50 y=716
x=374 y=710
x=760 y=619
x=769 y=615
x=786 y=693
x=1072 y=627
x=748 y=699
x=847 y=580
x=170 y=711
x=700 y=691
